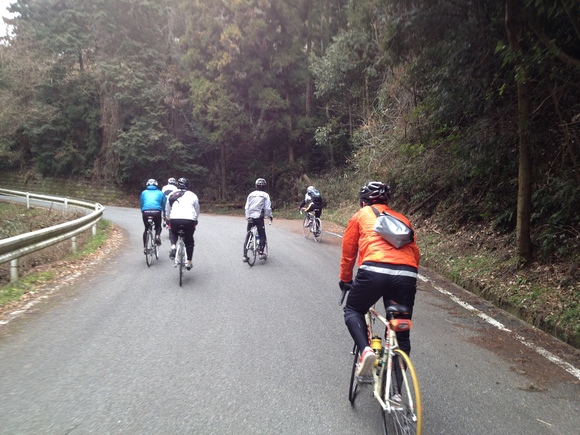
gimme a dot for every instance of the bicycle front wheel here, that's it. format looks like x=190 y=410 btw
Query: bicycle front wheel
x=181 y=265
x=306 y=226
x=251 y=249
x=148 y=248
x=317 y=229
x=405 y=413
x=353 y=387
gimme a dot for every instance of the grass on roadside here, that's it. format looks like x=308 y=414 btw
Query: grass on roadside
x=544 y=296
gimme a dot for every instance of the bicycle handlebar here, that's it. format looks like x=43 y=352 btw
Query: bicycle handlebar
x=341 y=300
x=344 y=292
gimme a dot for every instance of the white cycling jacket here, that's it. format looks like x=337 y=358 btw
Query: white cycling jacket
x=258 y=204
x=184 y=207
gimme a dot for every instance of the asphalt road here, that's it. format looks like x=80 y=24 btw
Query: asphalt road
x=261 y=350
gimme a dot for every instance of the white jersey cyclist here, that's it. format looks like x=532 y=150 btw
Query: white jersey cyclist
x=170 y=187
x=258 y=206
x=182 y=208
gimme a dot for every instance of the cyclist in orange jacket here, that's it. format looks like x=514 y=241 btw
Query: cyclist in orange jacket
x=383 y=271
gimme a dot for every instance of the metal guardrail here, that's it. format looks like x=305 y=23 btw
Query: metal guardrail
x=12 y=248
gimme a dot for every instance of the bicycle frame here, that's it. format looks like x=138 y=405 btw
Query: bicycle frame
x=151 y=245
x=385 y=359
x=314 y=225
x=251 y=247
x=180 y=254
x=406 y=408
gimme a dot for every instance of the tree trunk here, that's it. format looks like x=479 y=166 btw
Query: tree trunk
x=515 y=32
x=107 y=166
x=223 y=172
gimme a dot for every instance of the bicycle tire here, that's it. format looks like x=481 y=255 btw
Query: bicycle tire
x=181 y=256
x=251 y=249
x=148 y=248
x=353 y=386
x=317 y=229
x=406 y=417
x=306 y=227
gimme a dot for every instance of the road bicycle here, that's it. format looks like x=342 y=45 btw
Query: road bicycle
x=252 y=245
x=311 y=224
x=394 y=380
x=180 y=254
x=151 y=247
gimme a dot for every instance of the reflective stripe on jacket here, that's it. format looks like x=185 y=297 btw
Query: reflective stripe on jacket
x=361 y=239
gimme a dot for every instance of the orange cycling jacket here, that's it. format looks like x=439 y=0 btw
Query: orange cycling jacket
x=361 y=239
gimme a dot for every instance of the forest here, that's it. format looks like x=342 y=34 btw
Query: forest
x=469 y=109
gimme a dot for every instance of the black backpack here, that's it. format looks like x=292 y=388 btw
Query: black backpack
x=175 y=196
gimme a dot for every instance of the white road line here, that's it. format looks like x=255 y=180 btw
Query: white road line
x=540 y=350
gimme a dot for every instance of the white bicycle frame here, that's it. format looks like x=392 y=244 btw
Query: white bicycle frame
x=180 y=245
x=389 y=344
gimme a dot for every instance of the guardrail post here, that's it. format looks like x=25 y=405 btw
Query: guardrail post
x=74 y=244
x=66 y=203
x=14 y=270
x=97 y=206
x=27 y=200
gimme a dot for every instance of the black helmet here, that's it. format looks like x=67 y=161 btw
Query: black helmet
x=183 y=183
x=151 y=182
x=374 y=192
x=172 y=181
x=260 y=182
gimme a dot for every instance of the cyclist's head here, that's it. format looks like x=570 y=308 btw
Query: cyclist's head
x=151 y=182
x=260 y=184
x=172 y=181
x=183 y=183
x=374 y=192
x=310 y=189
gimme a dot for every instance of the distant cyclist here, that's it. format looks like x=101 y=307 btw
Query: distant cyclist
x=152 y=204
x=312 y=201
x=167 y=190
x=183 y=212
x=383 y=271
x=170 y=187
x=258 y=206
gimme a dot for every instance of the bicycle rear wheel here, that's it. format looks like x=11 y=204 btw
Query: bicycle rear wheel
x=251 y=249
x=317 y=229
x=405 y=415
x=353 y=387
x=148 y=248
x=306 y=226
x=181 y=256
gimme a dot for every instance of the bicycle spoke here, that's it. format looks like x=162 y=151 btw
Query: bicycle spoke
x=353 y=387
x=306 y=226
x=181 y=262
x=148 y=245
x=317 y=229
x=252 y=249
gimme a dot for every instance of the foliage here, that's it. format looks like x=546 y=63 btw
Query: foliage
x=419 y=94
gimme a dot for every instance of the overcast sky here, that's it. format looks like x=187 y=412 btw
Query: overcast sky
x=4 y=13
